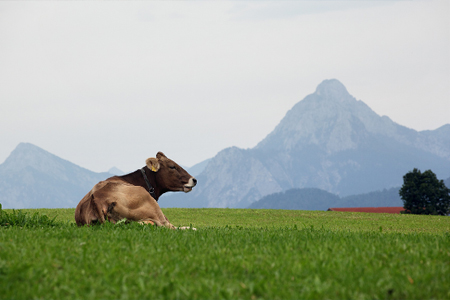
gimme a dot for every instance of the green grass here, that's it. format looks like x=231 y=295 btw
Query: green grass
x=60 y=214
x=257 y=218
x=234 y=254
x=23 y=219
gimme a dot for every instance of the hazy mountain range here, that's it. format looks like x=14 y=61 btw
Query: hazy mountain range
x=328 y=141
x=34 y=178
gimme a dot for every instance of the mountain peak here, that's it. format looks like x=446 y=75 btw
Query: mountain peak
x=25 y=147
x=34 y=178
x=328 y=140
x=332 y=89
x=27 y=155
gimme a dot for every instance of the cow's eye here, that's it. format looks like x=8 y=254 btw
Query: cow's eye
x=173 y=167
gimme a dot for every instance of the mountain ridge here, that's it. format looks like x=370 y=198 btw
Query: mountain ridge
x=33 y=178
x=329 y=140
x=317 y=199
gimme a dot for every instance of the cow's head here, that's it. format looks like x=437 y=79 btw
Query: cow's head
x=169 y=175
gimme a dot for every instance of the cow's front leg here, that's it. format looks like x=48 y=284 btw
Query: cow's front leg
x=182 y=228
x=147 y=222
x=157 y=223
x=166 y=224
x=187 y=227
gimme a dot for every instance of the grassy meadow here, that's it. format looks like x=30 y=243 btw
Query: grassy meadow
x=233 y=254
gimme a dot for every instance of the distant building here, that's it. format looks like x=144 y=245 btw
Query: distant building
x=386 y=210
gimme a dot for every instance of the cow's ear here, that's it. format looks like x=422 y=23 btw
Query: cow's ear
x=160 y=155
x=153 y=164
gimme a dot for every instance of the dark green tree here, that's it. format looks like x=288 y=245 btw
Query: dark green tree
x=423 y=193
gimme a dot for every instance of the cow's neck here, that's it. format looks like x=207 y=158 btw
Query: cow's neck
x=136 y=178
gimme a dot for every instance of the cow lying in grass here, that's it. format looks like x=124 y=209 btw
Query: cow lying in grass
x=134 y=196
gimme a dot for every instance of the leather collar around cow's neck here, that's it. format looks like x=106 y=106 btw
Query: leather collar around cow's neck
x=151 y=189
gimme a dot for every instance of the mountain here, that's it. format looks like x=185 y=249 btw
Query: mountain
x=34 y=178
x=384 y=198
x=197 y=169
x=317 y=199
x=329 y=140
x=298 y=199
x=116 y=171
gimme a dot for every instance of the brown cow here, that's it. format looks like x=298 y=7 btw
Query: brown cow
x=134 y=196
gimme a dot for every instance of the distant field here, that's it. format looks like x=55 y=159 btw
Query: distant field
x=234 y=254
x=257 y=218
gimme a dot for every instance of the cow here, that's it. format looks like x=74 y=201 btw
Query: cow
x=134 y=196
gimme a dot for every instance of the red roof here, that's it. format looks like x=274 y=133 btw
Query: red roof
x=386 y=210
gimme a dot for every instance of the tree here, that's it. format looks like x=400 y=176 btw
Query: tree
x=423 y=193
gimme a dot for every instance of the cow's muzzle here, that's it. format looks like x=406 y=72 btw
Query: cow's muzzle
x=188 y=187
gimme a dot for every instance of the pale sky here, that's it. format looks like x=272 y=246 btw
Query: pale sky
x=106 y=84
